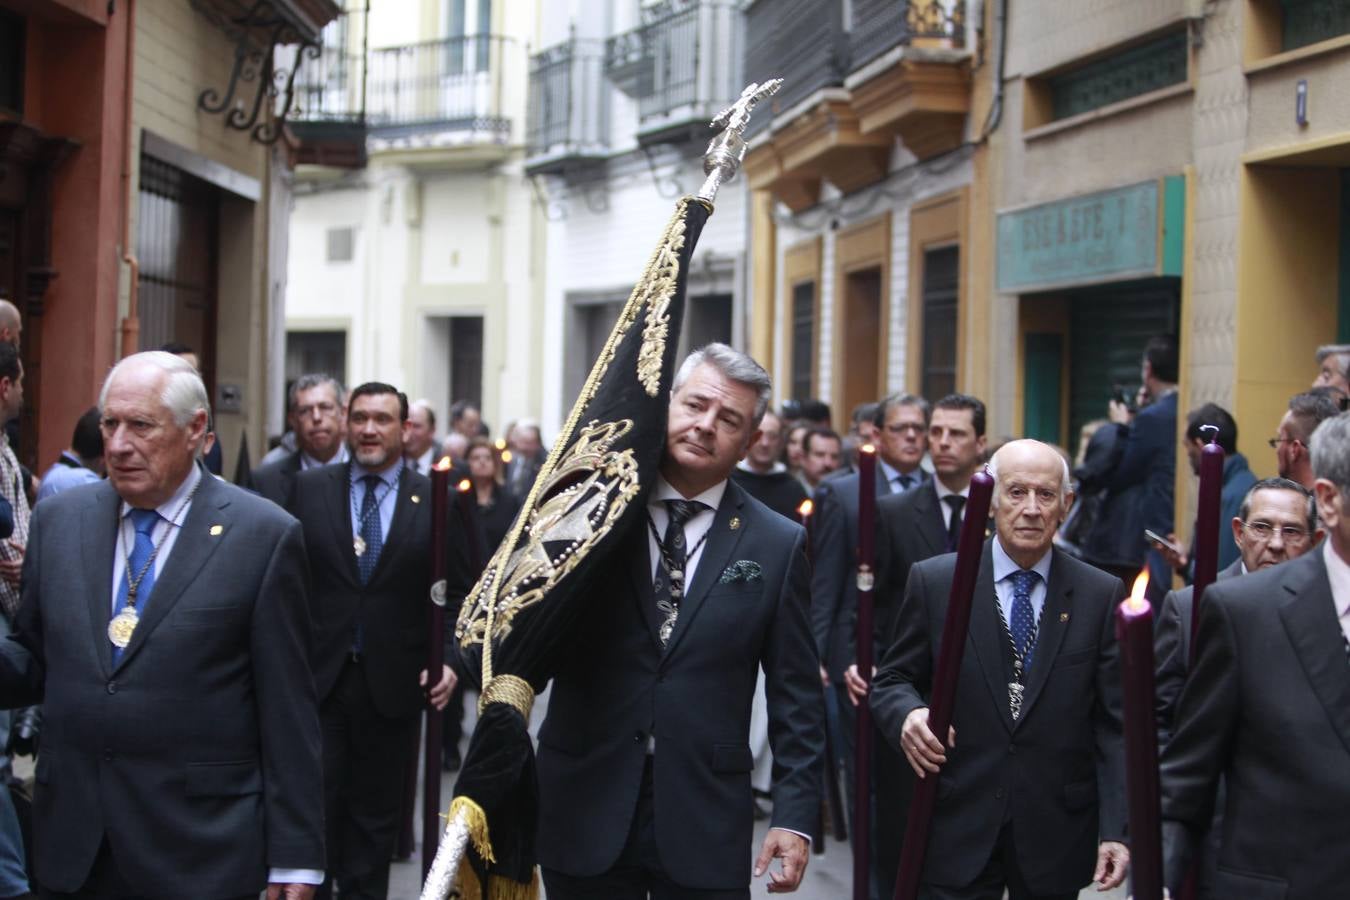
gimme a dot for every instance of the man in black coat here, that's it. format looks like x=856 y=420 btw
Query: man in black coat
x=902 y=427
x=1031 y=776
x=367 y=527
x=1267 y=706
x=912 y=527
x=164 y=627
x=643 y=766
x=317 y=414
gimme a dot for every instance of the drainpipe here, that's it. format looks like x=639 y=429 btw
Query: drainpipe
x=131 y=324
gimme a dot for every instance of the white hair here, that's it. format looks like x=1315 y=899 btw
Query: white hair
x=733 y=364
x=184 y=393
x=1065 y=485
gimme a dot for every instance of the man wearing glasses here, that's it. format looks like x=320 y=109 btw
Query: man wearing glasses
x=1290 y=443
x=317 y=416
x=1277 y=522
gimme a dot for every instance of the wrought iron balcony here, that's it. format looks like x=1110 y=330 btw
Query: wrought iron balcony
x=681 y=65
x=568 y=113
x=880 y=25
x=327 y=116
x=801 y=41
x=448 y=86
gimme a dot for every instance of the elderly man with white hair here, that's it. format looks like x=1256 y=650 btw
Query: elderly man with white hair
x=1032 y=771
x=164 y=627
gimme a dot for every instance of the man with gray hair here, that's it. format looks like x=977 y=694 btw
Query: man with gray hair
x=1333 y=368
x=1267 y=706
x=164 y=623
x=317 y=414
x=1032 y=769
x=644 y=770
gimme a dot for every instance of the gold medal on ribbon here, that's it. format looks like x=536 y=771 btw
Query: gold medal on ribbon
x=122 y=626
x=359 y=545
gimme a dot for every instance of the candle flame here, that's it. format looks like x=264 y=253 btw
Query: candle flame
x=501 y=443
x=806 y=508
x=444 y=464
x=506 y=457
x=867 y=448
x=1137 y=600
x=465 y=486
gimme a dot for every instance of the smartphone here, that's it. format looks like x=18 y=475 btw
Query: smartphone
x=1121 y=396
x=1158 y=539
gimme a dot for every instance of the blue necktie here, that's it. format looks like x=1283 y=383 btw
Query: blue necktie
x=370 y=529
x=903 y=483
x=1023 y=622
x=143 y=520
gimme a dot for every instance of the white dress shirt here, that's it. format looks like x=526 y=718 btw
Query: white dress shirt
x=694 y=530
x=172 y=514
x=1338 y=573
x=944 y=491
x=422 y=464
x=893 y=476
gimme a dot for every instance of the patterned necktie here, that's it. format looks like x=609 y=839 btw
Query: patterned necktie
x=957 y=503
x=143 y=520
x=1022 y=624
x=674 y=557
x=370 y=529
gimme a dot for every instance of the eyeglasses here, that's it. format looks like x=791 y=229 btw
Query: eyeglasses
x=906 y=428
x=1264 y=531
x=1275 y=442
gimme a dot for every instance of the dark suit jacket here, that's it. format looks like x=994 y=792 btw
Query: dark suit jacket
x=393 y=606
x=276 y=480
x=196 y=756
x=621 y=686
x=1058 y=772
x=909 y=530
x=834 y=559
x=1268 y=707
x=1172 y=650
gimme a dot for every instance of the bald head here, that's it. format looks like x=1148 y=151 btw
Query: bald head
x=10 y=325
x=1031 y=497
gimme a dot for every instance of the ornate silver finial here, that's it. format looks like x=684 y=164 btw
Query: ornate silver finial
x=727 y=149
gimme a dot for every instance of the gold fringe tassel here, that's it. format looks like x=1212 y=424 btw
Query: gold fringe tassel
x=468 y=886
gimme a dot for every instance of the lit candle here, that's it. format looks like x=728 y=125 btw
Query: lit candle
x=804 y=515
x=431 y=759
x=1134 y=634
x=1207 y=526
x=955 y=628
x=862 y=738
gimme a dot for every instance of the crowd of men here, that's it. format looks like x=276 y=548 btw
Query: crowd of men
x=223 y=683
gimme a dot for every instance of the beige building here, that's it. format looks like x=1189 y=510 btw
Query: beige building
x=1167 y=166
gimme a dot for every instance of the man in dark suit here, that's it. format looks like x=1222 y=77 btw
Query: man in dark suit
x=902 y=426
x=1267 y=706
x=367 y=526
x=912 y=527
x=1276 y=522
x=1032 y=774
x=164 y=626
x=317 y=414
x=644 y=769
x=1139 y=487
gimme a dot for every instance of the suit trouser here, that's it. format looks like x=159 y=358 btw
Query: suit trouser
x=1002 y=871
x=365 y=755
x=638 y=873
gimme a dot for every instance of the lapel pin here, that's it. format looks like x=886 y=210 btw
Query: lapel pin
x=1064 y=617
x=735 y=522
x=217 y=530
x=416 y=498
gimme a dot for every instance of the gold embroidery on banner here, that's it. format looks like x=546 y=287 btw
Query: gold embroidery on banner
x=491 y=582
x=583 y=497
x=658 y=289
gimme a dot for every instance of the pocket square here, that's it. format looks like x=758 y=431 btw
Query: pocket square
x=741 y=570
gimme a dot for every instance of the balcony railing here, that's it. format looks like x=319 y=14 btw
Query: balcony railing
x=802 y=41
x=879 y=25
x=328 y=109
x=681 y=64
x=454 y=84
x=567 y=111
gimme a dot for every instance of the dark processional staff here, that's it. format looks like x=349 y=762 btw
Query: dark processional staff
x=518 y=622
